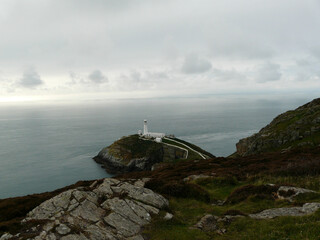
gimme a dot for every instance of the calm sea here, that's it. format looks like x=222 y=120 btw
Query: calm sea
x=48 y=146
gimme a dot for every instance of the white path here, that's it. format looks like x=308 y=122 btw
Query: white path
x=201 y=155
x=170 y=139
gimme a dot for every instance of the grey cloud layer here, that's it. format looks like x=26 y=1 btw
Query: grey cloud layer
x=268 y=72
x=243 y=40
x=194 y=64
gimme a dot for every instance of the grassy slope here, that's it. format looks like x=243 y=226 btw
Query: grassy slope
x=132 y=147
x=188 y=201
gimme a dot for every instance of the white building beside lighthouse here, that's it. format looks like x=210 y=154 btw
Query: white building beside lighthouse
x=148 y=134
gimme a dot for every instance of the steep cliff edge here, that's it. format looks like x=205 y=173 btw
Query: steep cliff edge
x=295 y=128
x=133 y=153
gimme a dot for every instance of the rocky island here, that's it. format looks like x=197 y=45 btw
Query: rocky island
x=136 y=153
x=269 y=189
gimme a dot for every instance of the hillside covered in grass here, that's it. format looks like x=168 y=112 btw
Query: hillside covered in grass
x=295 y=128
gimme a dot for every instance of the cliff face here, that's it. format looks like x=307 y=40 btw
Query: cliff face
x=135 y=154
x=297 y=128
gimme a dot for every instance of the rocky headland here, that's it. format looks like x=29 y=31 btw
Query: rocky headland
x=295 y=128
x=134 y=153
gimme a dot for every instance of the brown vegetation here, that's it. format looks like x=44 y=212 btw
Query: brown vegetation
x=261 y=192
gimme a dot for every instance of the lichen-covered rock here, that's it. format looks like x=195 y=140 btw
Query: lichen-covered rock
x=196 y=177
x=168 y=216
x=307 y=208
x=289 y=193
x=113 y=209
x=208 y=223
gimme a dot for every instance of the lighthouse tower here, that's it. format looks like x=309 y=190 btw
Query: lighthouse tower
x=145 y=127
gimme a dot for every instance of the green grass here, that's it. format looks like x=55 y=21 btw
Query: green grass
x=173 y=230
x=293 y=228
x=219 y=187
x=309 y=182
x=187 y=213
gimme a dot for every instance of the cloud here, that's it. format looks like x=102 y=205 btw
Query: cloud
x=97 y=77
x=268 y=72
x=228 y=75
x=306 y=69
x=143 y=80
x=30 y=79
x=194 y=64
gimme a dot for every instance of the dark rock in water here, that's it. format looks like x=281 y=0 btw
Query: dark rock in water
x=133 y=153
x=297 y=128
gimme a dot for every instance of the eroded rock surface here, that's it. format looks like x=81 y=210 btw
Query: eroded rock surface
x=306 y=209
x=111 y=210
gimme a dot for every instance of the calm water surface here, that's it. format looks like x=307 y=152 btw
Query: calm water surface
x=45 y=147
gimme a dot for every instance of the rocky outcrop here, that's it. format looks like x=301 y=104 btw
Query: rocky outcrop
x=306 y=209
x=211 y=223
x=289 y=193
x=297 y=128
x=111 y=210
x=207 y=223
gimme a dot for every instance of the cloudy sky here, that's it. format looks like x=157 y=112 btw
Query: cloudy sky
x=85 y=49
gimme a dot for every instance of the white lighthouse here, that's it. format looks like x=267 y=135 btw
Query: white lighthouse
x=145 y=127
x=148 y=134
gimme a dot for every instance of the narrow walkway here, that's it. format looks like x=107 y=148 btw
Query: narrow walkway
x=170 y=139
x=170 y=145
x=200 y=154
